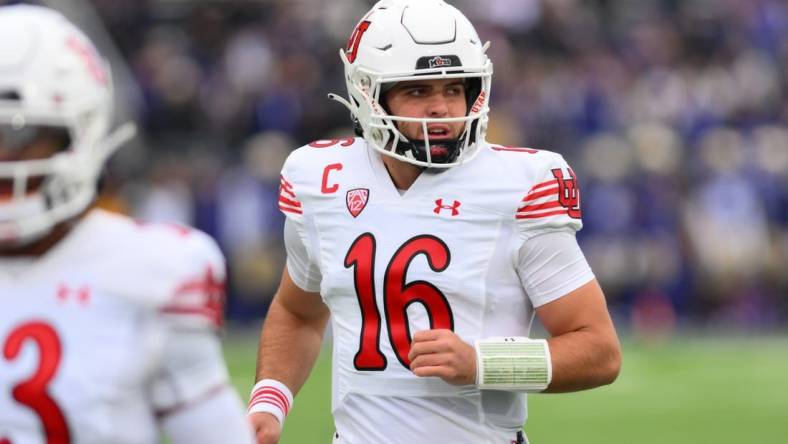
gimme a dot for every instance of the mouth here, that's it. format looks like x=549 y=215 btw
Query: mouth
x=437 y=131
x=7 y=187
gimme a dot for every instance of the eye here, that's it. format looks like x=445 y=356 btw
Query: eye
x=416 y=92
x=455 y=90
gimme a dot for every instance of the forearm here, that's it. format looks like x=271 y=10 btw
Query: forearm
x=289 y=346
x=217 y=418
x=583 y=359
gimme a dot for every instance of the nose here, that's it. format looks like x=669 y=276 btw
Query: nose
x=437 y=106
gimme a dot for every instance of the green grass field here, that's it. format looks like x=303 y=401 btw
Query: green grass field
x=691 y=391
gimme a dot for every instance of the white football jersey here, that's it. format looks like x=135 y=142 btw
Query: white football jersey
x=443 y=254
x=82 y=331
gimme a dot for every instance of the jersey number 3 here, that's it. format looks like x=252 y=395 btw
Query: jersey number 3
x=397 y=296
x=33 y=391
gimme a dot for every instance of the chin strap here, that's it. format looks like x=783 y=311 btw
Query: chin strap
x=418 y=149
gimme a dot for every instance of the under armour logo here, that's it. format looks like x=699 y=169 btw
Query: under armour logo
x=454 y=207
x=65 y=293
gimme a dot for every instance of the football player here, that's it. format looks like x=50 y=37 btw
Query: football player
x=432 y=250
x=108 y=327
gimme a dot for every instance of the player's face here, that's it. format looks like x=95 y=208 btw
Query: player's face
x=438 y=98
x=28 y=143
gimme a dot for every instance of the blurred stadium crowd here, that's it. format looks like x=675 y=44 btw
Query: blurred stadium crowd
x=673 y=113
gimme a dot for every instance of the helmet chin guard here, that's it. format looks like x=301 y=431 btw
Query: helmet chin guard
x=406 y=40
x=52 y=76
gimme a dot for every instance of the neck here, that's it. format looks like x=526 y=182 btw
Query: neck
x=41 y=246
x=402 y=173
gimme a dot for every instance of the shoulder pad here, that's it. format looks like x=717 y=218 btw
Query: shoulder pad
x=551 y=196
x=175 y=269
x=307 y=170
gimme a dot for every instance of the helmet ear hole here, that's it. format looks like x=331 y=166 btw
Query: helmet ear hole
x=59 y=136
x=473 y=88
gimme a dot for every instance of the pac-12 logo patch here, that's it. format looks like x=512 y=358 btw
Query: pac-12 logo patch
x=356 y=200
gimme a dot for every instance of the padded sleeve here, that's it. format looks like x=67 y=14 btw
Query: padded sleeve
x=303 y=271
x=552 y=265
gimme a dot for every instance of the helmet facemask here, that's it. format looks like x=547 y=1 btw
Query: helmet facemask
x=36 y=194
x=437 y=151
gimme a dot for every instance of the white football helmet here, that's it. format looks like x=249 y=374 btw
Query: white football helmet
x=51 y=79
x=404 y=40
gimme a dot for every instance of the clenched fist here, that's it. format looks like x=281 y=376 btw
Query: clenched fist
x=443 y=354
x=267 y=429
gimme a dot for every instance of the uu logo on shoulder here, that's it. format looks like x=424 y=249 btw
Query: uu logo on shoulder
x=356 y=200
x=568 y=192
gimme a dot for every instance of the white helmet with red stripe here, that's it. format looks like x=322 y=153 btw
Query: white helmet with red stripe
x=52 y=80
x=404 y=40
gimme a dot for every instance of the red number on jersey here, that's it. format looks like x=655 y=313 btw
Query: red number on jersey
x=361 y=256
x=344 y=142
x=397 y=296
x=33 y=392
x=515 y=149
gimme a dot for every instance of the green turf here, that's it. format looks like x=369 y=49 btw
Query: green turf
x=691 y=391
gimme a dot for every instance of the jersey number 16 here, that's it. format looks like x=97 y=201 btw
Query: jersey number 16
x=398 y=295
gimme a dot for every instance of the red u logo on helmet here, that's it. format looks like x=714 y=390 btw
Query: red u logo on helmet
x=352 y=44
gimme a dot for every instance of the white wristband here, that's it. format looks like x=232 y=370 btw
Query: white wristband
x=270 y=396
x=513 y=363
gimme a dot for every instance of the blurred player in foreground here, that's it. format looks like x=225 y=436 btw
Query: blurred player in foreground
x=108 y=327
x=432 y=250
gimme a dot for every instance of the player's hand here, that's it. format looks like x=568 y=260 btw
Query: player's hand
x=266 y=427
x=443 y=354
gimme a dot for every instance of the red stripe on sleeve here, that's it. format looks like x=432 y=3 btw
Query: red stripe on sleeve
x=544 y=184
x=538 y=215
x=533 y=196
x=542 y=206
x=286 y=201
